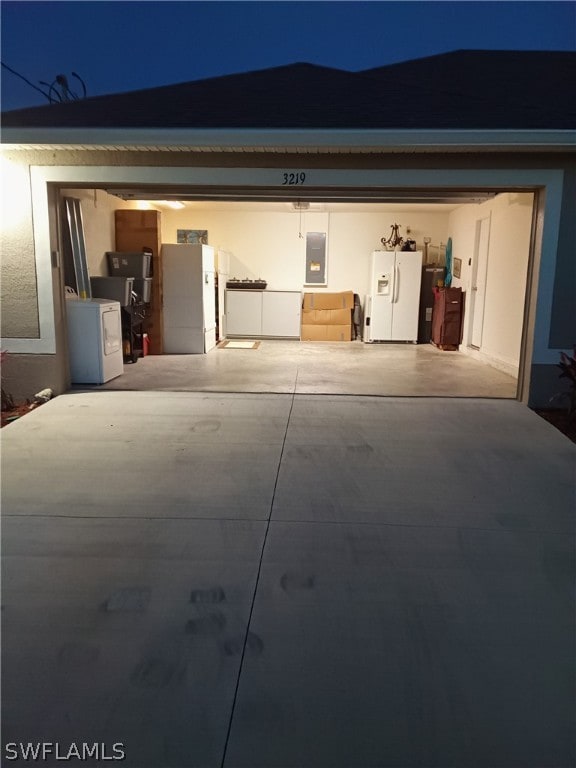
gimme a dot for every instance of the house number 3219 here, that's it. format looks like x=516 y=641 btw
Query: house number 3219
x=293 y=178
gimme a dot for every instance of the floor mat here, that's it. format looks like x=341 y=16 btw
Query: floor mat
x=238 y=344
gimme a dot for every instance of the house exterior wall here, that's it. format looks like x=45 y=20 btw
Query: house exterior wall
x=20 y=311
x=563 y=325
x=18 y=271
x=510 y=217
x=545 y=383
x=25 y=374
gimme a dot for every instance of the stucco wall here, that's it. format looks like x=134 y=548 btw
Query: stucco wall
x=24 y=375
x=18 y=269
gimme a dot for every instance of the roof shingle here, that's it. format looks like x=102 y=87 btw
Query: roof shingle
x=462 y=89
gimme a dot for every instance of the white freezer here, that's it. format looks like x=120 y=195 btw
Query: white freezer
x=94 y=340
x=189 y=300
x=392 y=304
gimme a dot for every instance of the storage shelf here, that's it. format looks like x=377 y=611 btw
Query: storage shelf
x=133 y=317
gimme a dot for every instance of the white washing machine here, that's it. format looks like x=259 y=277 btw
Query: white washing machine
x=94 y=340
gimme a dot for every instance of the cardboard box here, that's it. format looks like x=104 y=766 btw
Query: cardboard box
x=344 y=300
x=326 y=316
x=326 y=333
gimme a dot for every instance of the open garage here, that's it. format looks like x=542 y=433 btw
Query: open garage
x=490 y=234
x=282 y=551
x=485 y=192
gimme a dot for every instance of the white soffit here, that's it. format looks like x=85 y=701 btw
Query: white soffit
x=297 y=141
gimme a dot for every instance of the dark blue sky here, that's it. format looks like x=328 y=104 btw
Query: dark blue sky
x=122 y=46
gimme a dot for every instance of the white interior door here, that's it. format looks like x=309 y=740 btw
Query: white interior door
x=479 y=274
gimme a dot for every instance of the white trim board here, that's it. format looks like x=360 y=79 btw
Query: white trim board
x=303 y=140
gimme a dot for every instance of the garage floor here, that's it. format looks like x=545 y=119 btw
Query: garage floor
x=280 y=581
x=321 y=368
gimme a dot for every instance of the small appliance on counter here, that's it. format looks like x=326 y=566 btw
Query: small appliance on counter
x=247 y=283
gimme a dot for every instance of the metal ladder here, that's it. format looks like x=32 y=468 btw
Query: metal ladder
x=76 y=232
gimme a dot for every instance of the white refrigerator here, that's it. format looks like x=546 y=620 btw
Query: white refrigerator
x=189 y=300
x=392 y=302
x=94 y=340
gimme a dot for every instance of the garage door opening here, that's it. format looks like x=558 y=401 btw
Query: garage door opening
x=256 y=235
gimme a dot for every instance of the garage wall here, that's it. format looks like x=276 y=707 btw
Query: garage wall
x=261 y=244
x=98 y=221
x=510 y=228
x=353 y=237
x=267 y=244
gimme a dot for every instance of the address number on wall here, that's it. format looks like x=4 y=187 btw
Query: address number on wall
x=292 y=179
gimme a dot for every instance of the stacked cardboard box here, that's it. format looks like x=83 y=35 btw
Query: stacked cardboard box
x=327 y=316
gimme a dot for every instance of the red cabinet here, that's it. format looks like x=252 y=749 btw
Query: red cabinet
x=447 y=318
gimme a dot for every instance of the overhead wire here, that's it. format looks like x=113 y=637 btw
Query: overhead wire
x=54 y=95
x=26 y=80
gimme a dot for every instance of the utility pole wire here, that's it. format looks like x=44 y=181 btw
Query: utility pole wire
x=26 y=80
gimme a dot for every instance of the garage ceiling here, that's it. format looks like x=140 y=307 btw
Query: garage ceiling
x=319 y=200
x=274 y=207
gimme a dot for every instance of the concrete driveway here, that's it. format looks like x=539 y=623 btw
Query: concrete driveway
x=270 y=581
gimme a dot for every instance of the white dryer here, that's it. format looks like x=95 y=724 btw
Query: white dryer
x=94 y=340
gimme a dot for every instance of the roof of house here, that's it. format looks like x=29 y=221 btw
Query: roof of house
x=462 y=89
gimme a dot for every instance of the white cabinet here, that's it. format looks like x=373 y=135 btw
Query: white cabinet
x=244 y=313
x=281 y=313
x=263 y=313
